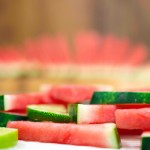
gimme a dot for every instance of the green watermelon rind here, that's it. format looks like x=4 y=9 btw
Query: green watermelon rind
x=5 y=117
x=120 y=97
x=2 y=102
x=73 y=111
x=35 y=114
x=145 y=140
x=6 y=102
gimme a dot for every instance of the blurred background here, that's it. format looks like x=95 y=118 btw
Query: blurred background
x=74 y=42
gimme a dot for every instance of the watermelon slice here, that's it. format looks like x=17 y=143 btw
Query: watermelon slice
x=133 y=118
x=99 y=135
x=91 y=114
x=8 y=137
x=19 y=101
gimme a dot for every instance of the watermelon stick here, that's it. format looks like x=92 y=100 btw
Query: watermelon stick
x=98 y=135
x=91 y=114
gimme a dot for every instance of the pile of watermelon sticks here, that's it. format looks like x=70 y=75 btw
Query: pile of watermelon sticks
x=76 y=115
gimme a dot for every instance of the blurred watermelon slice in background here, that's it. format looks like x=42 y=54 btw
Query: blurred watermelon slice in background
x=90 y=58
x=87 y=48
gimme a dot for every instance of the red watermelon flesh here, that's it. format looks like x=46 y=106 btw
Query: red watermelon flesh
x=130 y=132
x=29 y=51
x=132 y=106
x=74 y=93
x=87 y=47
x=53 y=50
x=121 y=49
x=10 y=54
x=44 y=50
x=46 y=92
x=138 y=55
x=18 y=111
x=100 y=135
x=107 y=50
x=95 y=114
x=46 y=96
x=20 y=101
x=133 y=118
x=61 y=51
x=69 y=94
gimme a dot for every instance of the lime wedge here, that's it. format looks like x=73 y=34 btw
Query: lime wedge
x=54 y=113
x=8 y=137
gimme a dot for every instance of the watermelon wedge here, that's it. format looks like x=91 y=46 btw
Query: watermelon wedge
x=99 y=135
x=19 y=101
x=133 y=118
x=92 y=114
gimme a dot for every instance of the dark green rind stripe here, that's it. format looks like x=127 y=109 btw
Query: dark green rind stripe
x=2 y=102
x=145 y=143
x=73 y=111
x=120 y=97
x=34 y=115
x=5 y=117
